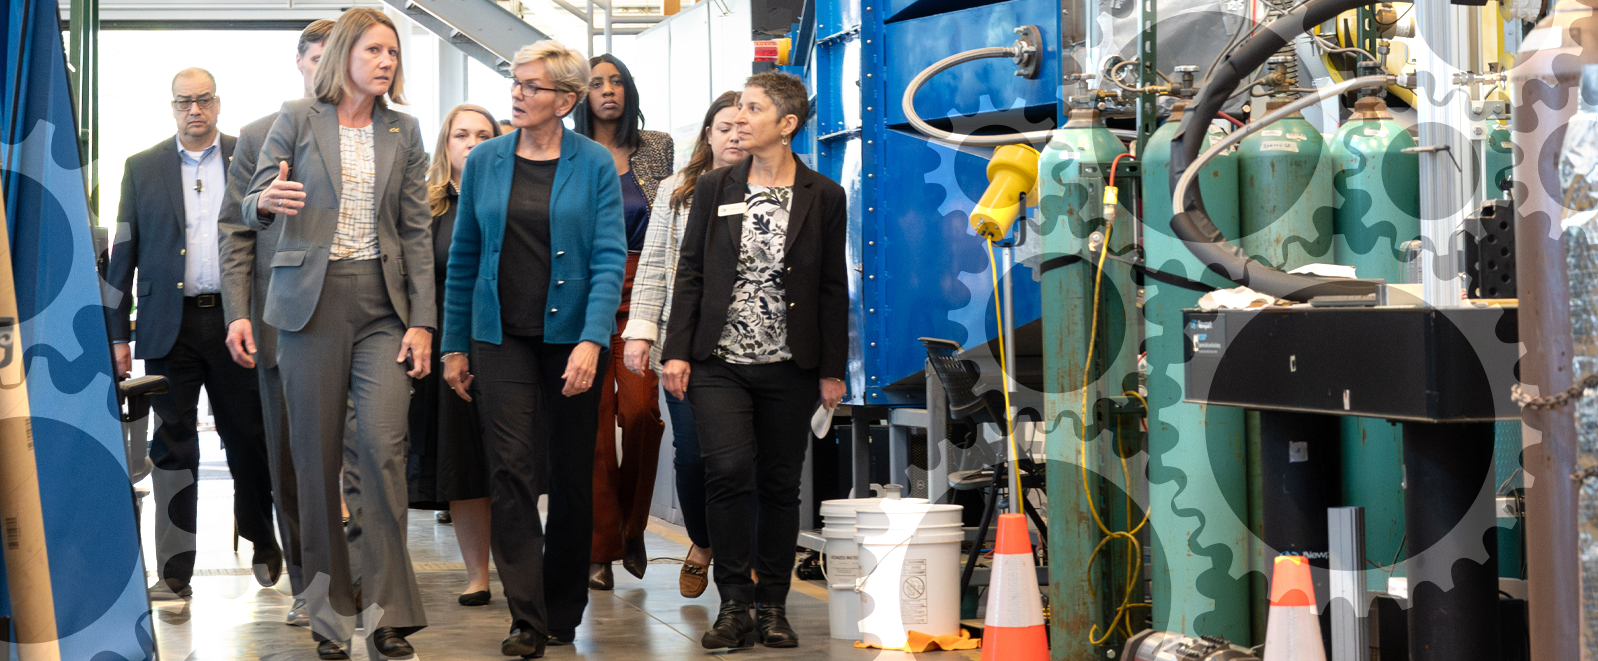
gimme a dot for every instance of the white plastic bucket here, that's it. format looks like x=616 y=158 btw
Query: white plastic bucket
x=843 y=561
x=909 y=571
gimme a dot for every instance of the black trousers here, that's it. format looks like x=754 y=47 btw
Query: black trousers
x=199 y=358
x=538 y=441
x=754 y=424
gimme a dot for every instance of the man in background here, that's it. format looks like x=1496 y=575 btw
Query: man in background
x=166 y=243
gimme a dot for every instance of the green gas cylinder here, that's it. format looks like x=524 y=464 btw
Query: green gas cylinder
x=1498 y=161
x=1378 y=189
x=1193 y=590
x=1378 y=186
x=1285 y=196
x=1073 y=173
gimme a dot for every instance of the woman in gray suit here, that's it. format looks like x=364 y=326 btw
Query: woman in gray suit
x=352 y=294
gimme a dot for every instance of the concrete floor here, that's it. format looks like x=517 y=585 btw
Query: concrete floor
x=231 y=617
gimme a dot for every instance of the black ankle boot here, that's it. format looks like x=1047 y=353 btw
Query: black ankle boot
x=734 y=628
x=774 y=629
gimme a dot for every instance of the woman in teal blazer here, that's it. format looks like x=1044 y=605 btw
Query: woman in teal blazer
x=534 y=280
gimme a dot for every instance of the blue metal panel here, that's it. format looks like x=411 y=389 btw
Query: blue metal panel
x=916 y=268
x=973 y=87
x=926 y=272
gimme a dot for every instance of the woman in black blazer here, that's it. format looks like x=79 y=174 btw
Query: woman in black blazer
x=759 y=318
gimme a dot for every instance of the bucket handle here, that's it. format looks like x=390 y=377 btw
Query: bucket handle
x=860 y=583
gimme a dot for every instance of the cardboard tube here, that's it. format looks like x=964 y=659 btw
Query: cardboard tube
x=21 y=515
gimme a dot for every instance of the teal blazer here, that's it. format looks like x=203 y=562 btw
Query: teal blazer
x=587 y=237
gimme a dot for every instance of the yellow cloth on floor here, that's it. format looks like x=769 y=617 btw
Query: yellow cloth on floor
x=917 y=642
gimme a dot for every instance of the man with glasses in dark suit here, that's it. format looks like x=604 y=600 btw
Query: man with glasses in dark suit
x=166 y=253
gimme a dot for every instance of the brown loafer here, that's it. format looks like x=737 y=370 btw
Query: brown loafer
x=694 y=578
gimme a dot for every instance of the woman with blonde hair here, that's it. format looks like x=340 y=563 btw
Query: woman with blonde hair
x=535 y=274
x=447 y=469
x=352 y=296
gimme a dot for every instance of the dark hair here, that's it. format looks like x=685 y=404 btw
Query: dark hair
x=315 y=33
x=785 y=90
x=702 y=159
x=632 y=119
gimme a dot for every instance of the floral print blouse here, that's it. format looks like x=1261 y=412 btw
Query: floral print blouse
x=757 y=321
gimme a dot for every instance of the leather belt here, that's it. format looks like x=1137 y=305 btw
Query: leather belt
x=203 y=300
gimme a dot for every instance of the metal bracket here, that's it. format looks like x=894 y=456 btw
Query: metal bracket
x=1485 y=110
x=840 y=135
x=839 y=36
x=1028 y=51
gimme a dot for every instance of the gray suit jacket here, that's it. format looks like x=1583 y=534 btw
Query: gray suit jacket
x=306 y=135
x=243 y=249
x=152 y=235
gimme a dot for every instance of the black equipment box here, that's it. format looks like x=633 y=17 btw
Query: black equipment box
x=1398 y=363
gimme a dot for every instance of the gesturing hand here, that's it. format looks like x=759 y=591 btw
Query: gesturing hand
x=282 y=196
x=580 y=369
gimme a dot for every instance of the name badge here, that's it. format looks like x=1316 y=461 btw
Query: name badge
x=732 y=209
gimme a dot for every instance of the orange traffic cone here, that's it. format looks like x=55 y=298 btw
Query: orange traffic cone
x=1293 y=630
x=1013 y=630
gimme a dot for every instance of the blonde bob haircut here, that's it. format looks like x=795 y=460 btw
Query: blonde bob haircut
x=567 y=69
x=333 y=77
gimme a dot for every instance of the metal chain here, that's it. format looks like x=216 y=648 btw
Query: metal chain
x=1556 y=400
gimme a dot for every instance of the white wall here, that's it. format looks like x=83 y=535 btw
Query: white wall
x=685 y=62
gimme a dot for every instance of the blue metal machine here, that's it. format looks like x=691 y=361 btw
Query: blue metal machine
x=909 y=196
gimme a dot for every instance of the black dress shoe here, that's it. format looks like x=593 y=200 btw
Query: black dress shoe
x=600 y=576
x=442 y=516
x=636 y=559
x=268 y=565
x=297 y=616
x=774 y=629
x=559 y=638
x=733 y=629
x=479 y=598
x=390 y=643
x=328 y=649
x=523 y=642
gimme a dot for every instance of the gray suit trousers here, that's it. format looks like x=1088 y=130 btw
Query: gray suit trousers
x=346 y=351
x=285 y=489
x=274 y=417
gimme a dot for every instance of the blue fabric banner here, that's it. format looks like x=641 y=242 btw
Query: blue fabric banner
x=95 y=564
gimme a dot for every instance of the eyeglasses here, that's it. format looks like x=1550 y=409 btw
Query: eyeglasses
x=520 y=88
x=204 y=102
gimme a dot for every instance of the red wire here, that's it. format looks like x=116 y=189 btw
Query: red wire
x=1112 y=168
x=1230 y=118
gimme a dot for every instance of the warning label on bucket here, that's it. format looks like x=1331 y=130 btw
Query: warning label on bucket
x=842 y=571
x=913 y=592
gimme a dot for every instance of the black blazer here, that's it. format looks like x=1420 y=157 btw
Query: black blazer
x=816 y=284
x=151 y=236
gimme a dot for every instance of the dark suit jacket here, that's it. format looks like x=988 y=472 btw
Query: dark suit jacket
x=246 y=253
x=815 y=284
x=306 y=135
x=151 y=236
